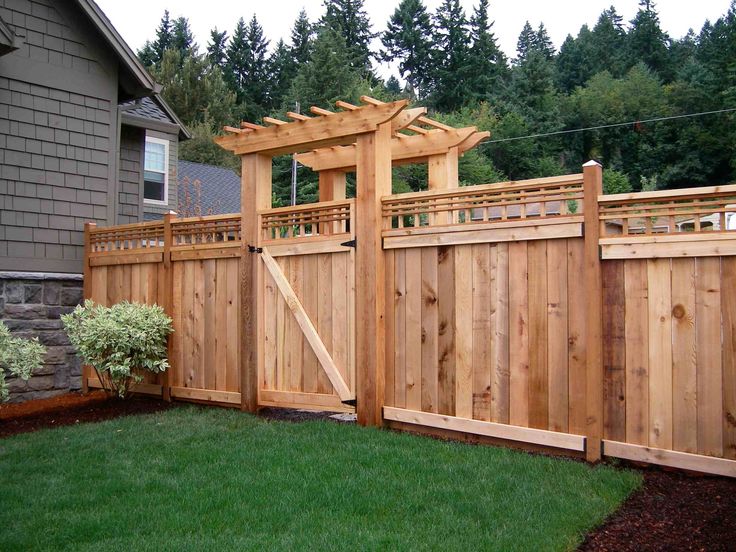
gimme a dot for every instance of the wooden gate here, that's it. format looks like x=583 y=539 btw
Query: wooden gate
x=308 y=304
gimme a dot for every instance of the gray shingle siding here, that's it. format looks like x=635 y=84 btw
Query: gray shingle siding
x=58 y=127
x=130 y=175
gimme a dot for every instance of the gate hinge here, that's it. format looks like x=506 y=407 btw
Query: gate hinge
x=254 y=249
x=350 y=243
x=351 y=402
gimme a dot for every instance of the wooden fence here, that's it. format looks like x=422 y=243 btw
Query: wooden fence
x=538 y=312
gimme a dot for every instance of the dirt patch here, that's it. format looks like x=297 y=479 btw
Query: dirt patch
x=672 y=511
x=69 y=409
x=292 y=415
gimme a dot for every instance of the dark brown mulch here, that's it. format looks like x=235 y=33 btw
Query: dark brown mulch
x=672 y=511
x=69 y=409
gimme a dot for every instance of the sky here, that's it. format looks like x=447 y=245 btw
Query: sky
x=136 y=20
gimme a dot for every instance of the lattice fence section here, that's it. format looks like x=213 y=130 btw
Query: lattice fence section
x=508 y=201
x=129 y=237
x=669 y=211
x=307 y=221
x=206 y=230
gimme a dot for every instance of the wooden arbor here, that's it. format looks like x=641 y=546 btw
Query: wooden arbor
x=367 y=139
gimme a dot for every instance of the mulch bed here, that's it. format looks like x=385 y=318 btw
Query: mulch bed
x=672 y=510
x=69 y=409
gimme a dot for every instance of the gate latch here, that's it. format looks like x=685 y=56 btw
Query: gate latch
x=254 y=249
x=350 y=243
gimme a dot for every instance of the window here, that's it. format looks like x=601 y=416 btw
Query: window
x=156 y=172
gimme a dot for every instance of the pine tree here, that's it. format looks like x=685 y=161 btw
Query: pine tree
x=525 y=44
x=608 y=44
x=349 y=18
x=257 y=76
x=647 y=42
x=575 y=63
x=182 y=37
x=301 y=39
x=543 y=43
x=217 y=47
x=153 y=52
x=236 y=60
x=283 y=69
x=408 y=39
x=452 y=63
x=486 y=58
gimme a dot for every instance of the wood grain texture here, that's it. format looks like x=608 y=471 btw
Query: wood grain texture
x=538 y=336
x=518 y=334
x=430 y=329
x=637 y=351
x=614 y=351
x=660 y=353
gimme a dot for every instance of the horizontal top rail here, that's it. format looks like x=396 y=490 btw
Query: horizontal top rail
x=541 y=198
x=205 y=230
x=706 y=209
x=307 y=221
x=127 y=237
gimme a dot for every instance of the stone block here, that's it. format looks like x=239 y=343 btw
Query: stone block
x=33 y=293
x=40 y=383
x=55 y=312
x=51 y=292
x=53 y=338
x=27 y=312
x=14 y=292
x=61 y=377
x=71 y=296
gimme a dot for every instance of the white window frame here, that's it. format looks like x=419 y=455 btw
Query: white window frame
x=165 y=143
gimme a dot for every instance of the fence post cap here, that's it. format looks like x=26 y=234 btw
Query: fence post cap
x=592 y=163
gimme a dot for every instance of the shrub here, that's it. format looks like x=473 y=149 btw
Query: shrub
x=120 y=341
x=615 y=182
x=18 y=356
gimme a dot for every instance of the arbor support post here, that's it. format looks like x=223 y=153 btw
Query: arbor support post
x=592 y=279
x=373 y=173
x=255 y=196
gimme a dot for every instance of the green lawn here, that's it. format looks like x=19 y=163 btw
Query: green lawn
x=212 y=479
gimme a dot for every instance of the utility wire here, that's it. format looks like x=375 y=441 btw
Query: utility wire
x=613 y=125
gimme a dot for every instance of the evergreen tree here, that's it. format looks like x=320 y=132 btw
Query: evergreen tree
x=408 y=39
x=246 y=68
x=283 y=69
x=575 y=61
x=301 y=39
x=236 y=60
x=182 y=38
x=153 y=52
x=647 y=42
x=608 y=44
x=216 y=49
x=487 y=59
x=327 y=76
x=452 y=64
x=349 y=18
x=526 y=43
x=543 y=43
x=393 y=87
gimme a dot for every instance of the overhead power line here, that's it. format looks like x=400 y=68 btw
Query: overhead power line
x=613 y=125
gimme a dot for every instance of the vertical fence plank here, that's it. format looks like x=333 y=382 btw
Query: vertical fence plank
x=198 y=356
x=557 y=317
x=283 y=353
x=400 y=328
x=500 y=337
x=614 y=351
x=340 y=307
x=325 y=315
x=684 y=374
x=538 y=377
x=710 y=370
x=310 y=303
x=389 y=390
x=220 y=327
x=270 y=307
x=446 y=329
x=518 y=334
x=176 y=377
x=463 y=331
x=295 y=336
x=637 y=351
x=660 y=353
x=728 y=308
x=430 y=323
x=414 y=329
x=576 y=337
x=188 y=323
x=483 y=282
x=209 y=364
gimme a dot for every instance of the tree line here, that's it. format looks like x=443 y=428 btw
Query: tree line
x=611 y=72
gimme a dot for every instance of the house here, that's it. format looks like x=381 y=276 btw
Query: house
x=84 y=136
x=207 y=190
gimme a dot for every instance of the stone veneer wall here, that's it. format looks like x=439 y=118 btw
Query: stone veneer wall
x=30 y=305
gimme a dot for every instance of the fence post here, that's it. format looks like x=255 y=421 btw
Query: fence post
x=168 y=303
x=593 y=284
x=255 y=195
x=87 y=290
x=373 y=173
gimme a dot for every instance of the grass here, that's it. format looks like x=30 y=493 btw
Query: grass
x=212 y=479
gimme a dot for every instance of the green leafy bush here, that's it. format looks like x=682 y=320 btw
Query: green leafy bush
x=18 y=356
x=120 y=341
